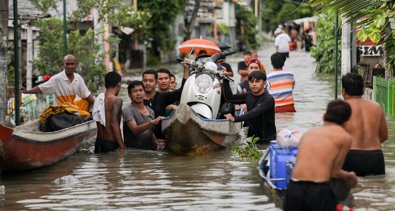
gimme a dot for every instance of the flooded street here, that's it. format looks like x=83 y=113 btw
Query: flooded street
x=149 y=180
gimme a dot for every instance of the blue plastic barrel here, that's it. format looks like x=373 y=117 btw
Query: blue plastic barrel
x=278 y=164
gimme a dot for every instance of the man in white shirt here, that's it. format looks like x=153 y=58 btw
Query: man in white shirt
x=66 y=86
x=282 y=42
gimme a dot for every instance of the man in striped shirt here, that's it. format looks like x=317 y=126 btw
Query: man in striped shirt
x=281 y=85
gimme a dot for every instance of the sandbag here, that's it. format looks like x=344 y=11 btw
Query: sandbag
x=60 y=121
x=287 y=138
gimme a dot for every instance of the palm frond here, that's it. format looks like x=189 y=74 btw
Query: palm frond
x=350 y=9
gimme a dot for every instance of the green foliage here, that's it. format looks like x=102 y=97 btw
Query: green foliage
x=223 y=28
x=90 y=60
x=275 y=12
x=249 y=150
x=115 y=12
x=51 y=46
x=246 y=27
x=164 y=13
x=44 y=5
x=83 y=46
x=324 y=51
x=376 y=20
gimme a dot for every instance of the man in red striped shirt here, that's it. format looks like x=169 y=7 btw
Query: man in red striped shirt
x=281 y=85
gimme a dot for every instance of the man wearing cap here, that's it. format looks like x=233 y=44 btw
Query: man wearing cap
x=282 y=42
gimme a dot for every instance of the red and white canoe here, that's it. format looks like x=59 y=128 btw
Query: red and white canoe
x=25 y=147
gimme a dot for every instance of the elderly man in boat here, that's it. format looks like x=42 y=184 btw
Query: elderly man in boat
x=69 y=88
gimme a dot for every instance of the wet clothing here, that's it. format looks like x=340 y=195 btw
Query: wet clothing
x=159 y=102
x=260 y=115
x=281 y=85
x=143 y=140
x=103 y=146
x=286 y=108
x=282 y=43
x=365 y=162
x=306 y=195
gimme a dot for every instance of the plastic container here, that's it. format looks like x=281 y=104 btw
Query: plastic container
x=278 y=164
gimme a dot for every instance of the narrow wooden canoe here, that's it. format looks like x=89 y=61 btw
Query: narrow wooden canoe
x=188 y=133
x=25 y=147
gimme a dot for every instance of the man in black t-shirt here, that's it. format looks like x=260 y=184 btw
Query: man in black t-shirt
x=260 y=116
x=158 y=101
x=242 y=66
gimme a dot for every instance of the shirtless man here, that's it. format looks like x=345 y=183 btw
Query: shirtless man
x=109 y=136
x=321 y=154
x=367 y=127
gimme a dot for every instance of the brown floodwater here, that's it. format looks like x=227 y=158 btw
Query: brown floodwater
x=150 y=180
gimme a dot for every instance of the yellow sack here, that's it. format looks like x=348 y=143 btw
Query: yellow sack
x=71 y=108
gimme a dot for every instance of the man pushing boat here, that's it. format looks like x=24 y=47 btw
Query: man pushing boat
x=321 y=155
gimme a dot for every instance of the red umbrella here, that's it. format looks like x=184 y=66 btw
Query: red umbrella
x=199 y=45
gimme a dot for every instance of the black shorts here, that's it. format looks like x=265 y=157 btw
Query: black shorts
x=365 y=162
x=285 y=54
x=103 y=146
x=305 y=195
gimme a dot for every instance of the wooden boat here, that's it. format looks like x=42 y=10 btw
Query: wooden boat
x=189 y=133
x=25 y=147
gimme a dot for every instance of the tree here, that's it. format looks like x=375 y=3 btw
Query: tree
x=376 y=25
x=246 y=27
x=276 y=12
x=324 y=51
x=84 y=44
x=159 y=36
x=191 y=22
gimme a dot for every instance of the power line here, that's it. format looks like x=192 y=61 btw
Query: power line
x=300 y=4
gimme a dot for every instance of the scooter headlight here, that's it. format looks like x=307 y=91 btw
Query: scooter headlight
x=204 y=83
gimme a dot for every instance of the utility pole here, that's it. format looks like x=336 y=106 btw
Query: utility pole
x=16 y=63
x=3 y=59
x=136 y=36
x=336 y=49
x=65 y=50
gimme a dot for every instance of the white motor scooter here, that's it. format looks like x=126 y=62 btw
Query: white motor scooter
x=193 y=127
x=202 y=90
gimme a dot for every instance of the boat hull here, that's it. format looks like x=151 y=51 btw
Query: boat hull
x=26 y=148
x=188 y=133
